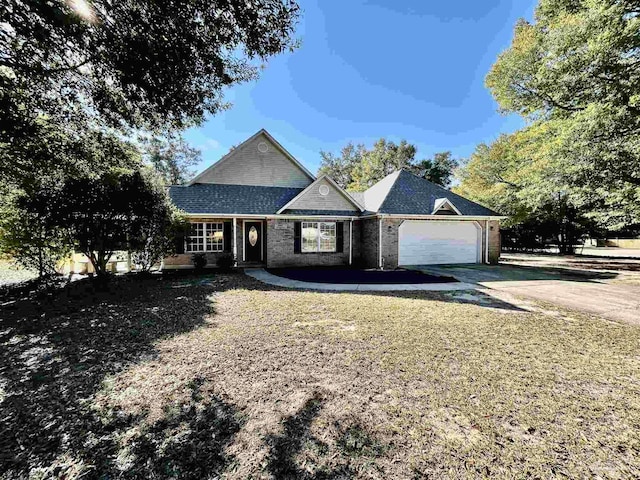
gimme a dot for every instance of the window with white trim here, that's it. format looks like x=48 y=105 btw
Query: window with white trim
x=318 y=237
x=205 y=237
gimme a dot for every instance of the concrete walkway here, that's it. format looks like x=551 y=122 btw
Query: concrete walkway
x=266 y=277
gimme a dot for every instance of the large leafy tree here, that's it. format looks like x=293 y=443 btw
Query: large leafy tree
x=357 y=168
x=384 y=158
x=98 y=215
x=70 y=68
x=171 y=157
x=514 y=177
x=141 y=62
x=340 y=167
x=576 y=69
x=438 y=169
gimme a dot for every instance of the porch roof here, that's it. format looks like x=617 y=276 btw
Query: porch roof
x=226 y=199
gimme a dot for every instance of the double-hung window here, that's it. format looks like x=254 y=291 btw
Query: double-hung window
x=206 y=237
x=318 y=237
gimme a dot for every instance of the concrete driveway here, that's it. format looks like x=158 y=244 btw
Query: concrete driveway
x=613 y=294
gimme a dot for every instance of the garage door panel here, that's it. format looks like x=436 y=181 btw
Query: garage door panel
x=437 y=242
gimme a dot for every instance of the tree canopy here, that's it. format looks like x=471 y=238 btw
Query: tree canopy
x=171 y=157
x=358 y=168
x=138 y=62
x=574 y=73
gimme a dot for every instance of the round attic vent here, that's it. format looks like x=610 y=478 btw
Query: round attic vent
x=263 y=147
x=324 y=190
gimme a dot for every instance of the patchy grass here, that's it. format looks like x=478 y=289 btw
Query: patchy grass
x=223 y=376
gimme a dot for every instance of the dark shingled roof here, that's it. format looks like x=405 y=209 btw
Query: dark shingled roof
x=412 y=195
x=335 y=213
x=240 y=199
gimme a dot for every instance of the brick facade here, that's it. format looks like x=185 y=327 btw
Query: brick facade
x=369 y=249
x=494 y=240
x=280 y=252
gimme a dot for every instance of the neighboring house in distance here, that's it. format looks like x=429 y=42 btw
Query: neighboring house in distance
x=264 y=207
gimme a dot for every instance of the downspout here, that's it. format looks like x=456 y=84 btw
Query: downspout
x=486 y=241
x=380 y=245
x=235 y=241
x=350 y=241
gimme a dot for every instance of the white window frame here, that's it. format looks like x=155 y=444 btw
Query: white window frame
x=200 y=238
x=318 y=248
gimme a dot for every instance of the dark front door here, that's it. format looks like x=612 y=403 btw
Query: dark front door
x=253 y=241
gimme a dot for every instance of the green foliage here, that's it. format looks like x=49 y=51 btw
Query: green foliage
x=358 y=168
x=118 y=210
x=171 y=157
x=340 y=168
x=140 y=62
x=225 y=262
x=26 y=237
x=574 y=73
x=384 y=158
x=160 y=224
x=438 y=170
x=516 y=177
x=199 y=260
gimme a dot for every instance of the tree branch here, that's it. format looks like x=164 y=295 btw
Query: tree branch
x=550 y=100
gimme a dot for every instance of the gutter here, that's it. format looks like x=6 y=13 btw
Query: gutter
x=348 y=217
x=433 y=217
x=271 y=216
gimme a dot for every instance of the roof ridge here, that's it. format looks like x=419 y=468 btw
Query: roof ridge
x=236 y=185
x=395 y=180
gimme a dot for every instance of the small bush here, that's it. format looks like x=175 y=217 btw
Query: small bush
x=199 y=260
x=225 y=262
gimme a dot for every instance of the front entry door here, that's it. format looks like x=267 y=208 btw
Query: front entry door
x=253 y=241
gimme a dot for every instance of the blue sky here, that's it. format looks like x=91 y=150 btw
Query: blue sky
x=368 y=69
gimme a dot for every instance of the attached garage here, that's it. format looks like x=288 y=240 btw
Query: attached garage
x=432 y=242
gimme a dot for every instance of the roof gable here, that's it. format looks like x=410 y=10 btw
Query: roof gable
x=443 y=206
x=323 y=195
x=259 y=160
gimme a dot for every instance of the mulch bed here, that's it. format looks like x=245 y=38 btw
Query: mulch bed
x=350 y=276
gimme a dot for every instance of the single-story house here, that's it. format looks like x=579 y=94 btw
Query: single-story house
x=263 y=206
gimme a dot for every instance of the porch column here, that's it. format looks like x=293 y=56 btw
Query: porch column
x=235 y=241
x=350 y=240
x=380 y=244
x=486 y=241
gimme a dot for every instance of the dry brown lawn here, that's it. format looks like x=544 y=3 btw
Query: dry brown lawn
x=224 y=377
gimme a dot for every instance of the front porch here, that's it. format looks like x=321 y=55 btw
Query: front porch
x=242 y=237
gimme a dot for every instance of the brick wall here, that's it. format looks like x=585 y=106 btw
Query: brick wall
x=390 y=242
x=494 y=240
x=368 y=257
x=280 y=248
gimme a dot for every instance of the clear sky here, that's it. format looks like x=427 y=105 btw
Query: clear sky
x=366 y=69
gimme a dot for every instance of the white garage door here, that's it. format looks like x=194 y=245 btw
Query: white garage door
x=423 y=242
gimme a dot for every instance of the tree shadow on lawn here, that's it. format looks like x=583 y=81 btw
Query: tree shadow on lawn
x=352 y=442
x=56 y=347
